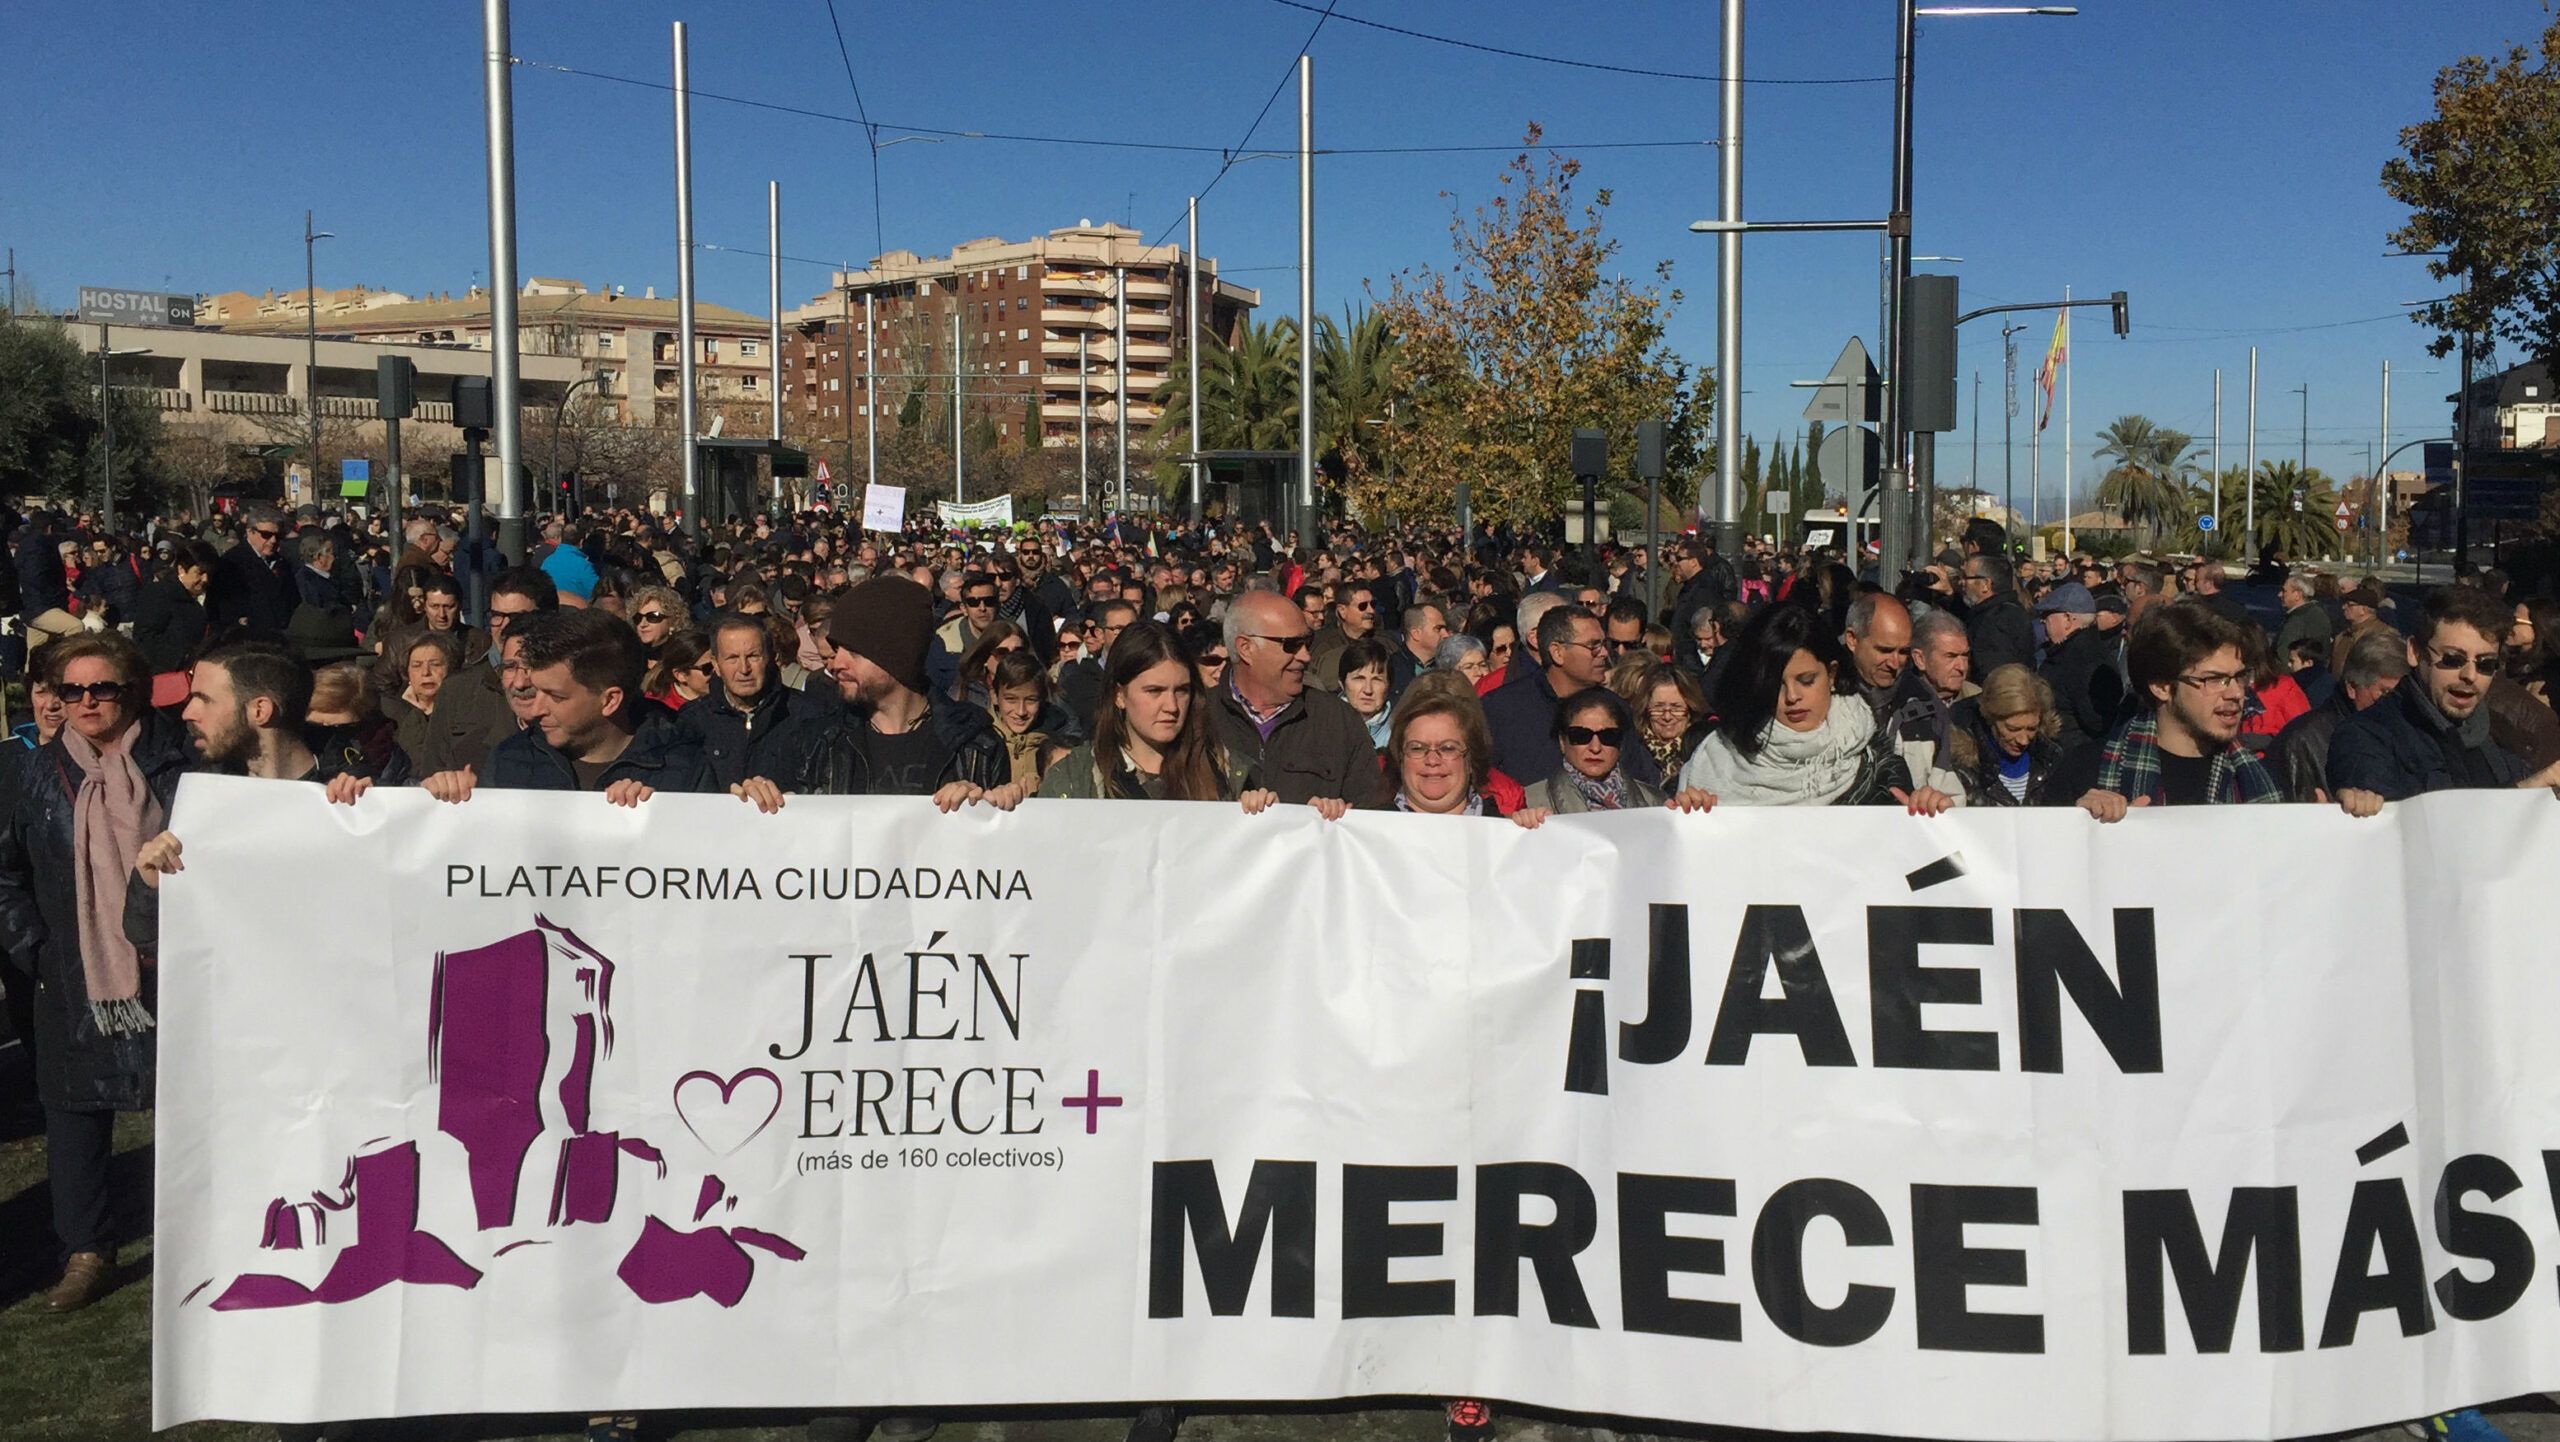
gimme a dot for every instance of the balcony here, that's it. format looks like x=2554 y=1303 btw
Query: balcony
x=360 y=408
x=165 y=398
x=1150 y=319
x=251 y=403
x=1070 y=283
x=437 y=412
x=1074 y=317
x=1151 y=287
x=1143 y=351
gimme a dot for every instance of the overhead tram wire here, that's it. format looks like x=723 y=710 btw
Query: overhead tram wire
x=1484 y=49
x=1228 y=156
x=871 y=132
x=1235 y=152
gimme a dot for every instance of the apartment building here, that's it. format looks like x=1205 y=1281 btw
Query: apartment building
x=1006 y=319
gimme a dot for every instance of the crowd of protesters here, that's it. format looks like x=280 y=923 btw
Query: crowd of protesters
x=1127 y=659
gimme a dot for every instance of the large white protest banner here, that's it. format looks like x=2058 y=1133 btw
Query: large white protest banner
x=998 y=512
x=2228 y=1123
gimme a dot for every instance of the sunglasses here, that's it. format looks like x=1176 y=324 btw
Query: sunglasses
x=975 y=602
x=1213 y=662
x=265 y=533
x=1289 y=645
x=100 y=693
x=1586 y=735
x=653 y=618
x=2487 y=665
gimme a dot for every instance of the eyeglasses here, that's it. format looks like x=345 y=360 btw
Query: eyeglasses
x=2487 y=664
x=979 y=603
x=1289 y=645
x=2216 y=680
x=1434 y=750
x=1608 y=736
x=1595 y=646
x=496 y=615
x=653 y=618
x=100 y=693
x=1675 y=708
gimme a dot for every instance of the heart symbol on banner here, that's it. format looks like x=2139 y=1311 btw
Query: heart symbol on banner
x=726 y=1115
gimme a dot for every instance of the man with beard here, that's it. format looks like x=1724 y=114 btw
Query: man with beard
x=2432 y=732
x=2191 y=681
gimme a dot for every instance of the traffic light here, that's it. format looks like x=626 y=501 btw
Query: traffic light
x=2123 y=314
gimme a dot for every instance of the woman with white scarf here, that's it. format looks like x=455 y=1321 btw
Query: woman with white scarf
x=1781 y=741
x=75 y=819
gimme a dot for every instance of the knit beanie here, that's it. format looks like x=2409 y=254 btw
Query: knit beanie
x=888 y=621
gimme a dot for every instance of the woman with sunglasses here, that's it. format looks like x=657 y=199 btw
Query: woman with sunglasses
x=679 y=669
x=1592 y=729
x=1153 y=738
x=1208 y=648
x=655 y=612
x=78 y=815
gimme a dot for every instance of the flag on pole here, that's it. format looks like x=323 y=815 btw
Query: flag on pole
x=2046 y=374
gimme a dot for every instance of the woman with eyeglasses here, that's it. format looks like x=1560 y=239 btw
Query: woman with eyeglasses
x=1501 y=637
x=1782 y=737
x=1153 y=737
x=1670 y=710
x=78 y=815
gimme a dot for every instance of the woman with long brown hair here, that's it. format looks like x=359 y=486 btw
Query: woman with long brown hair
x=1153 y=737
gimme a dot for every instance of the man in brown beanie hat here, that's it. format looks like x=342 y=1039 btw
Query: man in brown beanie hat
x=895 y=738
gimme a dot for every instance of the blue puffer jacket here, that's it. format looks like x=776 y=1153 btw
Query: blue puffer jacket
x=77 y=1067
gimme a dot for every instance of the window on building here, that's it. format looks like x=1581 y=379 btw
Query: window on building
x=1022 y=272
x=748 y=347
x=604 y=343
x=831 y=382
x=1022 y=368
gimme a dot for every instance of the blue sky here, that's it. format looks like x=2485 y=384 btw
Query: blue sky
x=2215 y=158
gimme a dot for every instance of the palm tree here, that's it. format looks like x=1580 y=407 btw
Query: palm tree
x=2296 y=534
x=1359 y=374
x=2151 y=484
x=1249 y=392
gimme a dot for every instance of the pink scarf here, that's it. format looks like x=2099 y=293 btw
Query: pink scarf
x=111 y=816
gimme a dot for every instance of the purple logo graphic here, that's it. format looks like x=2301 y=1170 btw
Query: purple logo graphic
x=718 y=1116
x=504 y=1020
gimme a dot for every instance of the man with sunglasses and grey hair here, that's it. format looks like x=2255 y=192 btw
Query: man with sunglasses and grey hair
x=1305 y=744
x=253 y=591
x=2432 y=732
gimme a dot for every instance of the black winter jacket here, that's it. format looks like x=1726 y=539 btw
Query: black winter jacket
x=2402 y=746
x=768 y=739
x=837 y=759
x=77 y=1068
x=168 y=624
x=661 y=757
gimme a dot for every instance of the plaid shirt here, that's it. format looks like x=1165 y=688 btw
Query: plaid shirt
x=2130 y=767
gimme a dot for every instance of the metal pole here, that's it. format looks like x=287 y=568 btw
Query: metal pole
x=506 y=387
x=1084 y=428
x=106 y=435
x=2304 y=464
x=310 y=356
x=1120 y=383
x=2382 y=486
x=2249 y=482
x=844 y=359
x=688 y=420
x=773 y=302
x=1191 y=348
x=2217 y=451
x=1728 y=408
x=2009 y=429
x=2067 y=458
x=870 y=391
x=1896 y=502
x=1973 y=471
x=2462 y=462
x=959 y=433
x=1306 y=296
x=391 y=482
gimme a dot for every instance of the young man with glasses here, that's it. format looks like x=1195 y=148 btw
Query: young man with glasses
x=2432 y=732
x=253 y=591
x=2191 y=676
x=1304 y=744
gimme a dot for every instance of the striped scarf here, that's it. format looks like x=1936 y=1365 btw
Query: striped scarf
x=2130 y=767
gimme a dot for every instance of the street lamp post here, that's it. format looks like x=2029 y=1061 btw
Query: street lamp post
x=599 y=379
x=311 y=342
x=107 y=431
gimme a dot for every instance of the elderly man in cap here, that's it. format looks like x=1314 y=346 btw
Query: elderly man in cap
x=2360 y=606
x=2076 y=662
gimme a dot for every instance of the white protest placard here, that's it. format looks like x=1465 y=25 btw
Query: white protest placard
x=2216 y=1123
x=884 y=508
